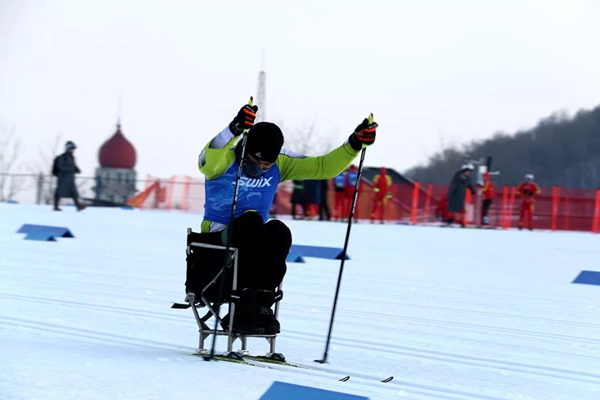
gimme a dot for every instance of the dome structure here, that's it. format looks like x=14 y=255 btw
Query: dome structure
x=117 y=152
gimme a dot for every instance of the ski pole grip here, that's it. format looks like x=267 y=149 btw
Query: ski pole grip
x=250 y=103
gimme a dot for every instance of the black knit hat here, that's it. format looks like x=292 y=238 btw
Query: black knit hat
x=264 y=141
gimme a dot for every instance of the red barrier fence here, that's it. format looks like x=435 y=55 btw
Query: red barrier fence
x=555 y=208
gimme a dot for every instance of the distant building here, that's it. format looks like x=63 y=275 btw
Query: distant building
x=115 y=178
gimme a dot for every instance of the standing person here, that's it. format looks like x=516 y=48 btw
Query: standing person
x=527 y=190
x=341 y=202
x=458 y=190
x=64 y=169
x=313 y=197
x=487 y=191
x=298 y=198
x=382 y=184
x=349 y=189
x=442 y=213
x=262 y=245
x=324 y=214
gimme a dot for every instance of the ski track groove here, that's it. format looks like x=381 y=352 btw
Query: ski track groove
x=540 y=370
x=367 y=380
x=486 y=328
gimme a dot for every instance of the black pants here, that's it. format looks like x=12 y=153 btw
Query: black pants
x=485 y=207
x=57 y=200
x=293 y=209
x=263 y=249
x=324 y=213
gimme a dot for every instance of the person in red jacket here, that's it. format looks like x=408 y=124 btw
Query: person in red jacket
x=487 y=192
x=351 y=178
x=382 y=184
x=341 y=202
x=527 y=190
x=442 y=213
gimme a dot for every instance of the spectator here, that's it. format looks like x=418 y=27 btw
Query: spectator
x=350 y=184
x=324 y=214
x=66 y=169
x=382 y=184
x=527 y=190
x=298 y=198
x=487 y=192
x=458 y=190
x=442 y=213
x=341 y=202
x=312 y=188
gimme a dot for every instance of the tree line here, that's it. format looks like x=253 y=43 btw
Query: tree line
x=560 y=150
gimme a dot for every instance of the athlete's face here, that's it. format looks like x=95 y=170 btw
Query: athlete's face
x=254 y=167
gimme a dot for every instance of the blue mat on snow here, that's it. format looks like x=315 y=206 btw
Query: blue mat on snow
x=331 y=253
x=56 y=231
x=288 y=391
x=41 y=236
x=294 y=258
x=588 y=278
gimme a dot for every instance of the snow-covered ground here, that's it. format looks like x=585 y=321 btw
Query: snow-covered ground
x=450 y=313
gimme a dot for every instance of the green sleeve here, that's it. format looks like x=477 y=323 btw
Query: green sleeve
x=323 y=167
x=213 y=162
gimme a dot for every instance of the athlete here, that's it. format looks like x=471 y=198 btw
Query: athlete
x=263 y=244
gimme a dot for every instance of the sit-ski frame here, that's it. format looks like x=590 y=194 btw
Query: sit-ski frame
x=205 y=331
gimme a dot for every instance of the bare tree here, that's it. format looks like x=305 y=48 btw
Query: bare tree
x=10 y=145
x=308 y=141
x=43 y=168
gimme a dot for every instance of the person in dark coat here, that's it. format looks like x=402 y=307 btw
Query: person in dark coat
x=324 y=214
x=313 y=197
x=458 y=189
x=298 y=198
x=65 y=174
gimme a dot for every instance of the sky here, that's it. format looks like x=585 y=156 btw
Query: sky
x=434 y=73
x=452 y=314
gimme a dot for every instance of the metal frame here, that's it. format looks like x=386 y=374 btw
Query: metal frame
x=204 y=330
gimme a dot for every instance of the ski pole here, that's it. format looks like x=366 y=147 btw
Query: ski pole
x=229 y=235
x=339 y=282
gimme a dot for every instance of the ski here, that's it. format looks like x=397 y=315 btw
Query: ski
x=234 y=360
x=268 y=360
x=185 y=306
x=180 y=306
x=263 y=362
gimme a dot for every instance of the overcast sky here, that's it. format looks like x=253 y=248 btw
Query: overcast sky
x=430 y=71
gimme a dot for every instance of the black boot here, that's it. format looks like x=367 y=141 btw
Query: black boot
x=268 y=321
x=247 y=317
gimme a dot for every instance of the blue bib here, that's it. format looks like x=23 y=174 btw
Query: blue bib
x=352 y=176
x=340 y=180
x=253 y=194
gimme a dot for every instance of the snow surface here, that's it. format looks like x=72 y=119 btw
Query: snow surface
x=450 y=313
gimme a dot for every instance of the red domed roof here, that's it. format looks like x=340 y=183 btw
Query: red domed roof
x=117 y=152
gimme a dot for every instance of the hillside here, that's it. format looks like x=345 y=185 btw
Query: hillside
x=559 y=150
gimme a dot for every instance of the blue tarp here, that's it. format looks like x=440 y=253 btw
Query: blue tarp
x=331 y=253
x=56 y=231
x=289 y=391
x=588 y=278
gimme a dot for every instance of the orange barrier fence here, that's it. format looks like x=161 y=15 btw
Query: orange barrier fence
x=555 y=208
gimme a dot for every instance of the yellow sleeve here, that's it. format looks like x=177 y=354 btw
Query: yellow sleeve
x=213 y=162
x=297 y=167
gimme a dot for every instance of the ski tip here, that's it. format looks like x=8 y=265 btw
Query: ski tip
x=344 y=379
x=388 y=379
x=371 y=118
x=251 y=101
